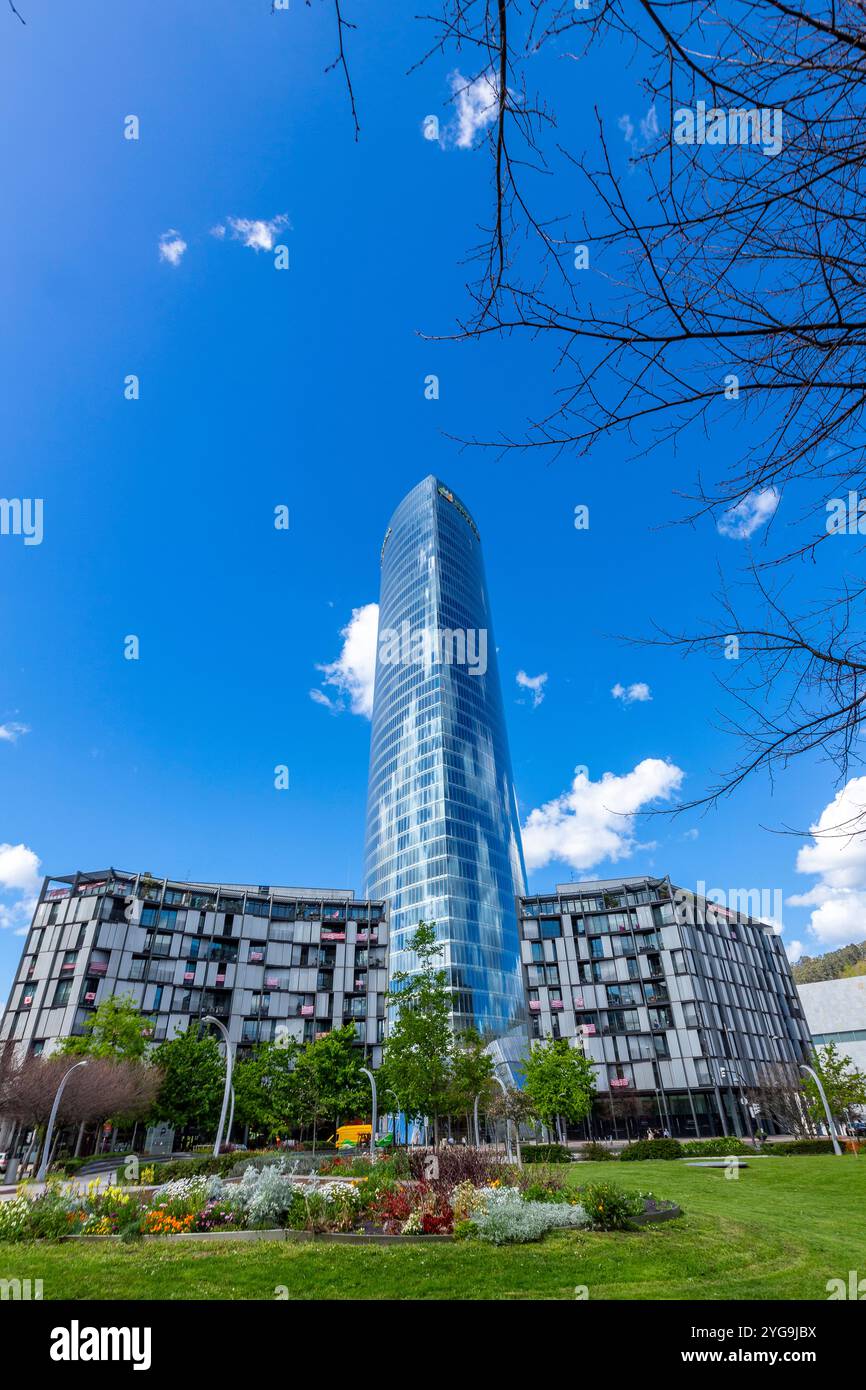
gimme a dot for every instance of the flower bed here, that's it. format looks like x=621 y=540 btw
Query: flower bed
x=456 y=1197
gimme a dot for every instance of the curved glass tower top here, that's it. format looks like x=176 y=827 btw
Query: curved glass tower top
x=443 y=842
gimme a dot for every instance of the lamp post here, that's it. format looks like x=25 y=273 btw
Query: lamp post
x=231 y=1117
x=509 y=1154
x=821 y=1092
x=372 y=1080
x=209 y=1018
x=737 y=1077
x=46 y=1152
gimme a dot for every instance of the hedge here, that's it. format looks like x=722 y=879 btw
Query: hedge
x=801 y=1146
x=715 y=1148
x=597 y=1153
x=651 y=1148
x=546 y=1153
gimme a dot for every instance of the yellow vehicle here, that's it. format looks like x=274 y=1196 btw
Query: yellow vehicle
x=352 y=1135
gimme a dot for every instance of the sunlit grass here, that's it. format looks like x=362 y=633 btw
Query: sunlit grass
x=779 y=1231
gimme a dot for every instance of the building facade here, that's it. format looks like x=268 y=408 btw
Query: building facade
x=677 y=1002
x=268 y=962
x=443 y=838
x=836 y=1012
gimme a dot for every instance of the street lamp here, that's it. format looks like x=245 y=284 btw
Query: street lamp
x=46 y=1152
x=372 y=1080
x=738 y=1078
x=821 y=1092
x=231 y=1116
x=509 y=1154
x=209 y=1018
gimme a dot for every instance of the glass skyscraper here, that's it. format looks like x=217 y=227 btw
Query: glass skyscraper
x=443 y=841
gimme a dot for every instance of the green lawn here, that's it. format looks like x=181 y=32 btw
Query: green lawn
x=781 y=1230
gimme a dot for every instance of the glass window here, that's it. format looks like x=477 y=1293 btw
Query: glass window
x=61 y=993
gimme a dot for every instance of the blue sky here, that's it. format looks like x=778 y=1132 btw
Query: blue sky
x=305 y=388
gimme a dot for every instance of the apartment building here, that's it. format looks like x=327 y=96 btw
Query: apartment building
x=677 y=1001
x=267 y=961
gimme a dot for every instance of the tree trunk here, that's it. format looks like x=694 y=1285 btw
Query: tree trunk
x=79 y=1140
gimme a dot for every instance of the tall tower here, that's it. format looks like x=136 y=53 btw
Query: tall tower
x=443 y=841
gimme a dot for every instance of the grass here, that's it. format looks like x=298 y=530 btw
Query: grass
x=779 y=1231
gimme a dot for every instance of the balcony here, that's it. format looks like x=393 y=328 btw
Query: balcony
x=535 y=1006
x=98 y=967
x=556 y=1004
x=619 y=1081
x=328 y=934
x=307 y=1010
x=256 y=957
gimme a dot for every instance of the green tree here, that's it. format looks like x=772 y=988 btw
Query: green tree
x=843 y=1084
x=417 y=1057
x=193 y=1080
x=471 y=1074
x=559 y=1081
x=328 y=1080
x=266 y=1088
x=116 y=1030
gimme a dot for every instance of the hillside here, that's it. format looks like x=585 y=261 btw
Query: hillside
x=835 y=965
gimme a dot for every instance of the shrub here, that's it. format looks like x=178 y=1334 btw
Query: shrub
x=453 y=1164
x=597 y=1153
x=508 y=1220
x=801 y=1146
x=651 y=1148
x=265 y=1195
x=546 y=1153
x=715 y=1148
x=608 y=1207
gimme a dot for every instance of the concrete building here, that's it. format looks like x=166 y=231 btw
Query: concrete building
x=266 y=961
x=676 y=1001
x=836 y=1012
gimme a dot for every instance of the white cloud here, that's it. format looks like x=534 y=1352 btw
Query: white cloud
x=595 y=820
x=534 y=683
x=837 y=855
x=9 y=733
x=648 y=129
x=638 y=693
x=354 y=672
x=19 y=881
x=477 y=106
x=743 y=520
x=794 y=950
x=258 y=233
x=171 y=247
